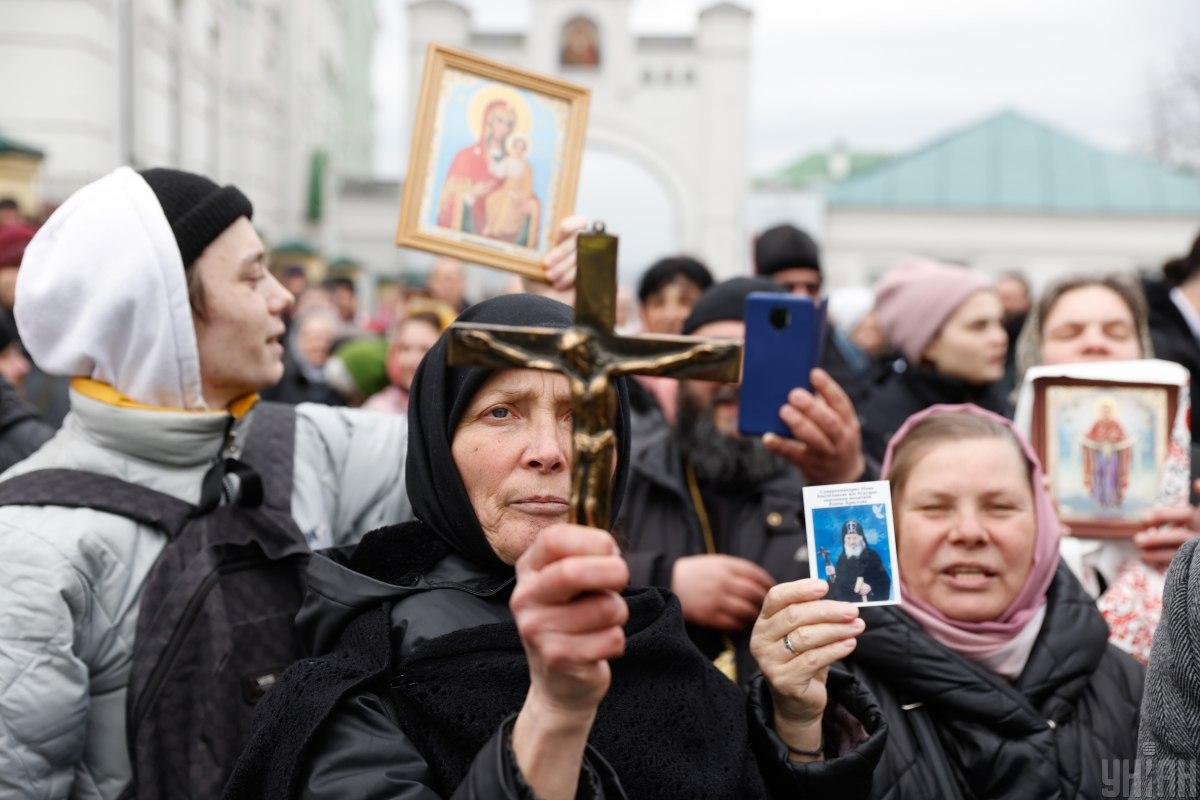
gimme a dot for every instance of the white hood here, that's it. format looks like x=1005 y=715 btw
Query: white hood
x=101 y=293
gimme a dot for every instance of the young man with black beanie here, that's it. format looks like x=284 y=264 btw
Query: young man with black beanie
x=792 y=259
x=151 y=292
x=716 y=516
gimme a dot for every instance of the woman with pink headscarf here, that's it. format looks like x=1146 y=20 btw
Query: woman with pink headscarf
x=994 y=674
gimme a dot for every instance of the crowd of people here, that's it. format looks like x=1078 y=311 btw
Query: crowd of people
x=461 y=637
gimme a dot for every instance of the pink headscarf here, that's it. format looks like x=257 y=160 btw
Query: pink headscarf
x=1005 y=642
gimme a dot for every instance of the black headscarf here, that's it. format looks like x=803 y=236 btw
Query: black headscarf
x=440 y=395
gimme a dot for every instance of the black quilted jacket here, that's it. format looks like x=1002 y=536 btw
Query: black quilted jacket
x=956 y=730
x=908 y=390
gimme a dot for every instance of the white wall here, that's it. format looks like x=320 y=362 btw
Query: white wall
x=240 y=90
x=725 y=77
x=368 y=208
x=861 y=245
x=62 y=62
x=768 y=207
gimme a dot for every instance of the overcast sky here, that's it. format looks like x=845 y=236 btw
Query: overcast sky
x=888 y=74
x=883 y=75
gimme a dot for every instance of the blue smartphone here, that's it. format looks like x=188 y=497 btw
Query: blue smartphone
x=783 y=345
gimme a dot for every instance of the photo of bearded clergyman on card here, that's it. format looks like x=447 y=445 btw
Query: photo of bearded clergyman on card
x=852 y=543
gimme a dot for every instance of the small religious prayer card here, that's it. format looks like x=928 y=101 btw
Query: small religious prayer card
x=852 y=541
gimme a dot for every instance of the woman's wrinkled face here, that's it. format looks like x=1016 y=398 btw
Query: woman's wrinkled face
x=410 y=344
x=972 y=343
x=512 y=449
x=1091 y=323
x=965 y=528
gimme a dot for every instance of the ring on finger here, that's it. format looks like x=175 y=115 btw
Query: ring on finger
x=787 y=643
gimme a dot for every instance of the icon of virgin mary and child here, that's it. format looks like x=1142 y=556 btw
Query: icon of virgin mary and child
x=489 y=188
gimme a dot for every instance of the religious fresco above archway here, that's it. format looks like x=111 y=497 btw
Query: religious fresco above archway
x=580 y=45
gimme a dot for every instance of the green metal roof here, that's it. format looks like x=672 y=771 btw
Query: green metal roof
x=8 y=145
x=814 y=168
x=1012 y=163
x=295 y=247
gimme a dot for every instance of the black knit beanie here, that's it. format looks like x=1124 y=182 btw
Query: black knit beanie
x=726 y=301
x=785 y=247
x=197 y=209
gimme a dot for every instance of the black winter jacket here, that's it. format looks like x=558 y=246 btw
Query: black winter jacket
x=1173 y=340
x=658 y=523
x=856 y=385
x=957 y=730
x=909 y=390
x=331 y=727
x=294 y=388
x=22 y=430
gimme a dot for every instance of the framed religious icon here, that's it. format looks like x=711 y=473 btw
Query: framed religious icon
x=1104 y=446
x=494 y=162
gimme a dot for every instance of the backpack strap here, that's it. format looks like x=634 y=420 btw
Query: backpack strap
x=73 y=488
x=270 y=449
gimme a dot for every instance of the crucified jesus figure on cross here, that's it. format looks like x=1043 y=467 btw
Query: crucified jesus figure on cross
x=592 y=356
x=590 y=372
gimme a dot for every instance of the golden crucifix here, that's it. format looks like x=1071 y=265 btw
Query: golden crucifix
x=592 y=356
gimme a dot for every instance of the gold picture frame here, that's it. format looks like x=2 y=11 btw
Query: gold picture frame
x=1109 y=500
x=494 y=163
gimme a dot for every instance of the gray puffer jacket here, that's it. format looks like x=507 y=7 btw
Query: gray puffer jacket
x=71 y=579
